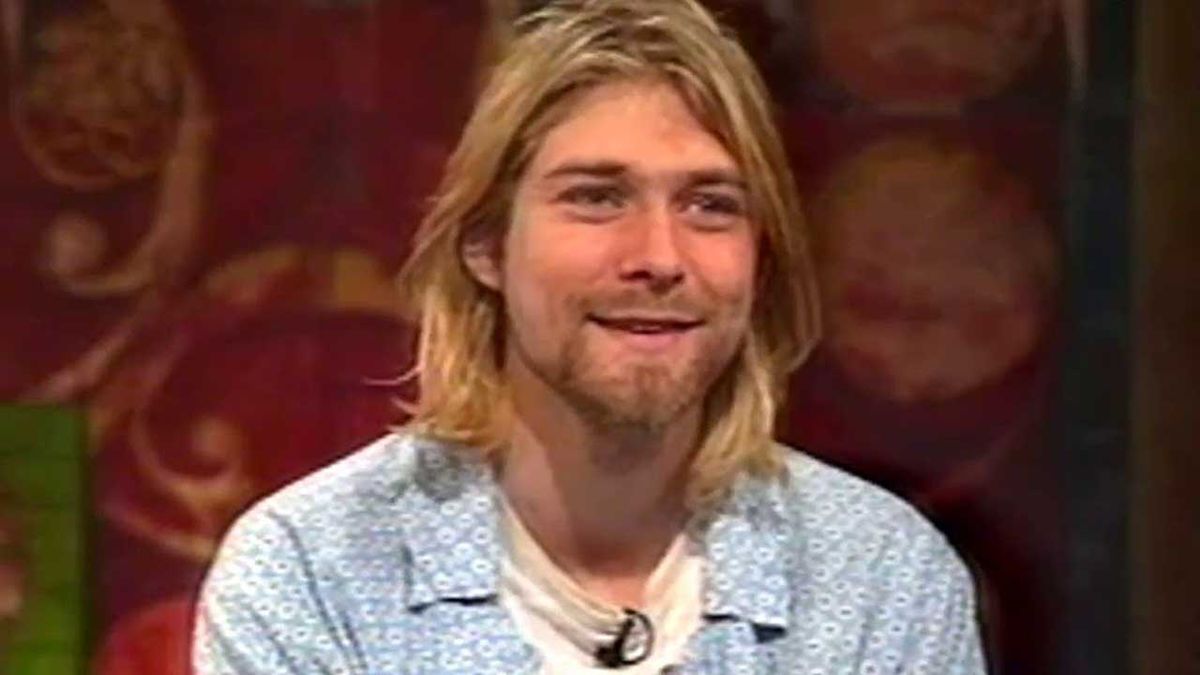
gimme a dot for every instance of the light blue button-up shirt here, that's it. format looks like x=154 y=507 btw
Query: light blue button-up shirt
x=388 y=562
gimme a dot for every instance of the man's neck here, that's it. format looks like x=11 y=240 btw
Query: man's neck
x=604 y=504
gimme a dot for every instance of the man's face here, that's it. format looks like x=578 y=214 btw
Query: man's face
x=628 y=267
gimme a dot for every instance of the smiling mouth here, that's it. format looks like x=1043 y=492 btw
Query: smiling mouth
x=646 y=325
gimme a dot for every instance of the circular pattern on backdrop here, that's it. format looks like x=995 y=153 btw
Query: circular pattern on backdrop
x=927 y=55
x=99 y=102
x=937 y=270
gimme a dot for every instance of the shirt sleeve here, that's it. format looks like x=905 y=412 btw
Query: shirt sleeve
x=943 y=628
x=261 y=609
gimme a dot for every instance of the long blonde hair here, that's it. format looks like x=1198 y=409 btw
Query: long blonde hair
x=549 y=57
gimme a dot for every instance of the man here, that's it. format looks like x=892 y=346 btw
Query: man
x=612 y=286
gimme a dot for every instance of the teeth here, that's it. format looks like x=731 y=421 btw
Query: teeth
x=648 y=328
x=644 y=327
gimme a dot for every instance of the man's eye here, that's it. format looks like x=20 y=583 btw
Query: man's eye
x=718 y=203
x=714 y=210
x=593 y=196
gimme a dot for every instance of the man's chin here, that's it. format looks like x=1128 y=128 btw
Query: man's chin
x=644 y=393
x=641 y=410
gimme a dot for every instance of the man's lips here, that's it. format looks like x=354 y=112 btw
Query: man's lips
x=645 y=324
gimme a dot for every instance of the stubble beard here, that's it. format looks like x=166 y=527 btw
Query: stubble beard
x=641 y=400
x=635 y=402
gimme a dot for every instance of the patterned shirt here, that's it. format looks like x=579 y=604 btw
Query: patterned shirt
x=388 y=561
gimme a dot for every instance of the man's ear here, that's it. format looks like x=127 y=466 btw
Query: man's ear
x=481 y=255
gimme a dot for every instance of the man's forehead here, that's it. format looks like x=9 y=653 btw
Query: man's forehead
x=631 y=127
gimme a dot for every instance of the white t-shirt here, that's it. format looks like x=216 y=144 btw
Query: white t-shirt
x=567 y=625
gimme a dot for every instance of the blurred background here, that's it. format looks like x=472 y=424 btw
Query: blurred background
x=205 y=202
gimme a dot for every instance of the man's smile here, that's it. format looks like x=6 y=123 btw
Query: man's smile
x=645 y=324
x=646 y=332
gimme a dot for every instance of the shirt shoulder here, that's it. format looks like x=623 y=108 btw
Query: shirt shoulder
x=335 y=518
x=842 y=528
x=866 y=563
x=302 y=578
x=364 y=476
x=835 y=506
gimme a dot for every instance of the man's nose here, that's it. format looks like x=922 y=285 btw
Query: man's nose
x=652 y=253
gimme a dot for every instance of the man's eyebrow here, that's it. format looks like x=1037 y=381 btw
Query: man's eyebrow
x=613 y=169
x=597 y=169
x=730 y=177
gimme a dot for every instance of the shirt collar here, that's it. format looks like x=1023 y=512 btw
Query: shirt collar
x=745 y=546
x=449 y=513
